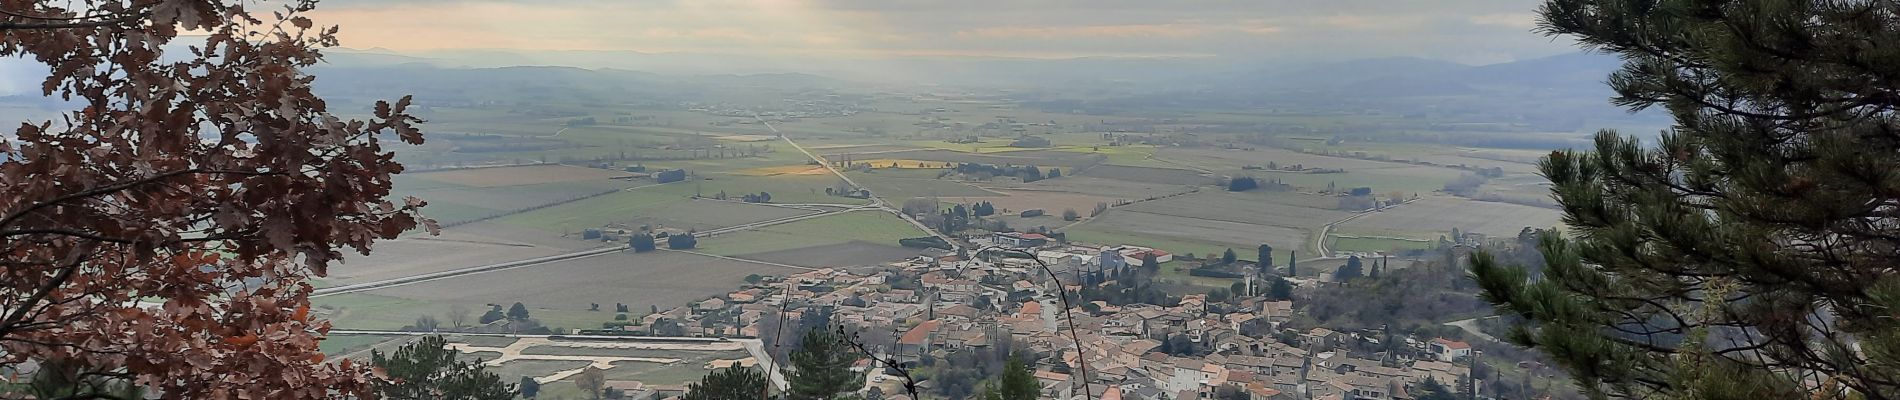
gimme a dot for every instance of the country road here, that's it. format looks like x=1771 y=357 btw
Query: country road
x=1327 y=231
x=1471 y=326
x=875 y=200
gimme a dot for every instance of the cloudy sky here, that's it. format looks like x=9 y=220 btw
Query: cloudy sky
x=1469 y=31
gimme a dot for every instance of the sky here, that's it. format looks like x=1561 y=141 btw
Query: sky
x=1465 y=31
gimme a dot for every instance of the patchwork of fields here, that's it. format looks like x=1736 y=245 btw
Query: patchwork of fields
x=1428 y=218
x=1164 y=196
x=661 y=278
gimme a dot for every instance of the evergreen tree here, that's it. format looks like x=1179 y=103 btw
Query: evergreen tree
x=821 y=367
x=1238 y=289
x=1265 y=257
x=529 y=387
x=1291 y=258
x=427 y=369
x=1430 y=389
x=1017 y=383
x=641 y=242
x=1353 y=269
x=518 y=311
x=1149 y=262
x=493 y=314
x=1281 y=289
x=1229 y=257
x=1750 y=252
x=735 y=383
x=683 y=241
x=1218 y=295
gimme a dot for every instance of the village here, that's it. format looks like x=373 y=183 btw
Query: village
x=1007 y=297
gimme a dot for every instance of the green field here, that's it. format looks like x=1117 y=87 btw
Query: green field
x=1362 y=244
x=343 y=344
x=368 y=311
x=869 y=226
x=591 y=212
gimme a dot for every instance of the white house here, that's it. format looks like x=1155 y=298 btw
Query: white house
x=1448 y=350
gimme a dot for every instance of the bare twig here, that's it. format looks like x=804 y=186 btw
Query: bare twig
x=1081 y=359
x=851 y=339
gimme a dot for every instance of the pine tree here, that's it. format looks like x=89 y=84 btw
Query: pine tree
x=427 y=369
x=1749 y=253
x=821 y=367
x=529 y=387
x=1291 y=259
x=1017 y=383
x=1281 y=289
x=734 y=383
x=1229 y=257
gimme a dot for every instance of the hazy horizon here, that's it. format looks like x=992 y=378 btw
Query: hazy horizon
x=1473 y=32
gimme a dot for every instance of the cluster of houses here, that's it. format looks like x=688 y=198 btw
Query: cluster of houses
x=936 y=305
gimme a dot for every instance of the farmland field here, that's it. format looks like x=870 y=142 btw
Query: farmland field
x=876 y=227
x=647 y=206
x=1052 y=201
x=657 y=278
x=523 y=175
x=836 y=255
x=1374 y=245
x=1239 y=235
x=1235 y=159
x=1105 y=187
x=458 y=247
x=899 y=188
x=1428 y=218
x=335 y=345
x=1090 y=233
x=1045 y=159
x=1263 y=208
x=517 y=196
x=1149 y=175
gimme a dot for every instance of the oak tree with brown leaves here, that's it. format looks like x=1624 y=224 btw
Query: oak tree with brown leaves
x=161 y=232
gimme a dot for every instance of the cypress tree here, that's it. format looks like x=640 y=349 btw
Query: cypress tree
x=1265 y=256
x=1750 y=252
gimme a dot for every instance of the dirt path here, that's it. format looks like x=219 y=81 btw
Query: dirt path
x=1327 y=230
x=1471 y=326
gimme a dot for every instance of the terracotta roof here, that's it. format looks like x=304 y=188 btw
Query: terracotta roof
x=1452 y=344
x=920 y=334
